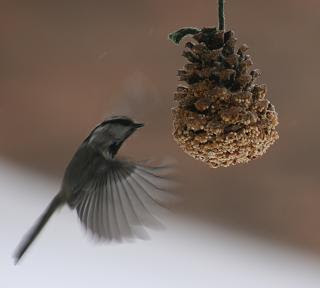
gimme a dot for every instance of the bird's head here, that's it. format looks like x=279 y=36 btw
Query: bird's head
x=120 y=127
x=112 y=132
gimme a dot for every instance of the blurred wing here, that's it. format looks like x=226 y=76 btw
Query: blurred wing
x=122 y=199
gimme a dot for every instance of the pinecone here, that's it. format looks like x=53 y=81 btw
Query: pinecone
x=222 y=117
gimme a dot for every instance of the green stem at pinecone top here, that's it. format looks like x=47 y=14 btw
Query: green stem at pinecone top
x=178 y=35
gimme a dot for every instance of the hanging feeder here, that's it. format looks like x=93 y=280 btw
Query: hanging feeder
x=222 y=116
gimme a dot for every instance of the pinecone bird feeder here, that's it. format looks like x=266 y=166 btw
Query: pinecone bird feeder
x=222 y=116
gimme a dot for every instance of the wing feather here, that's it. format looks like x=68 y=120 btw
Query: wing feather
x=124 y=226
x=113 y=229
x=91 y=211
x=115 y=218
x=87 y=209
x=134 y=222
x=105 y=214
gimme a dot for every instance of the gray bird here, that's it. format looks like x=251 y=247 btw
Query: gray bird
x=114 y=199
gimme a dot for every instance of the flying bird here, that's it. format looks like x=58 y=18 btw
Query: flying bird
x=115 y=199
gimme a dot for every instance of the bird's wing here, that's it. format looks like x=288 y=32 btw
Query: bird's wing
x=122 y=198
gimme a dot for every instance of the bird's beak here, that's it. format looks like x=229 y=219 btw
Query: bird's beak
x=138 y=125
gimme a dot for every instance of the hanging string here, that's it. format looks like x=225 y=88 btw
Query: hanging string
x=221 y=14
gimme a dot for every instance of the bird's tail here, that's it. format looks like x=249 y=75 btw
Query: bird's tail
x=35 y=230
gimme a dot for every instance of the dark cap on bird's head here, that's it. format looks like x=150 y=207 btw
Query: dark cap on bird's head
x=116 y=128
x=122 y=120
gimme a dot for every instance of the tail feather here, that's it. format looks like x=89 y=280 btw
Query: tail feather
x=35 y=230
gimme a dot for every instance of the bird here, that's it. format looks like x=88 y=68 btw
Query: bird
x=115 y=199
